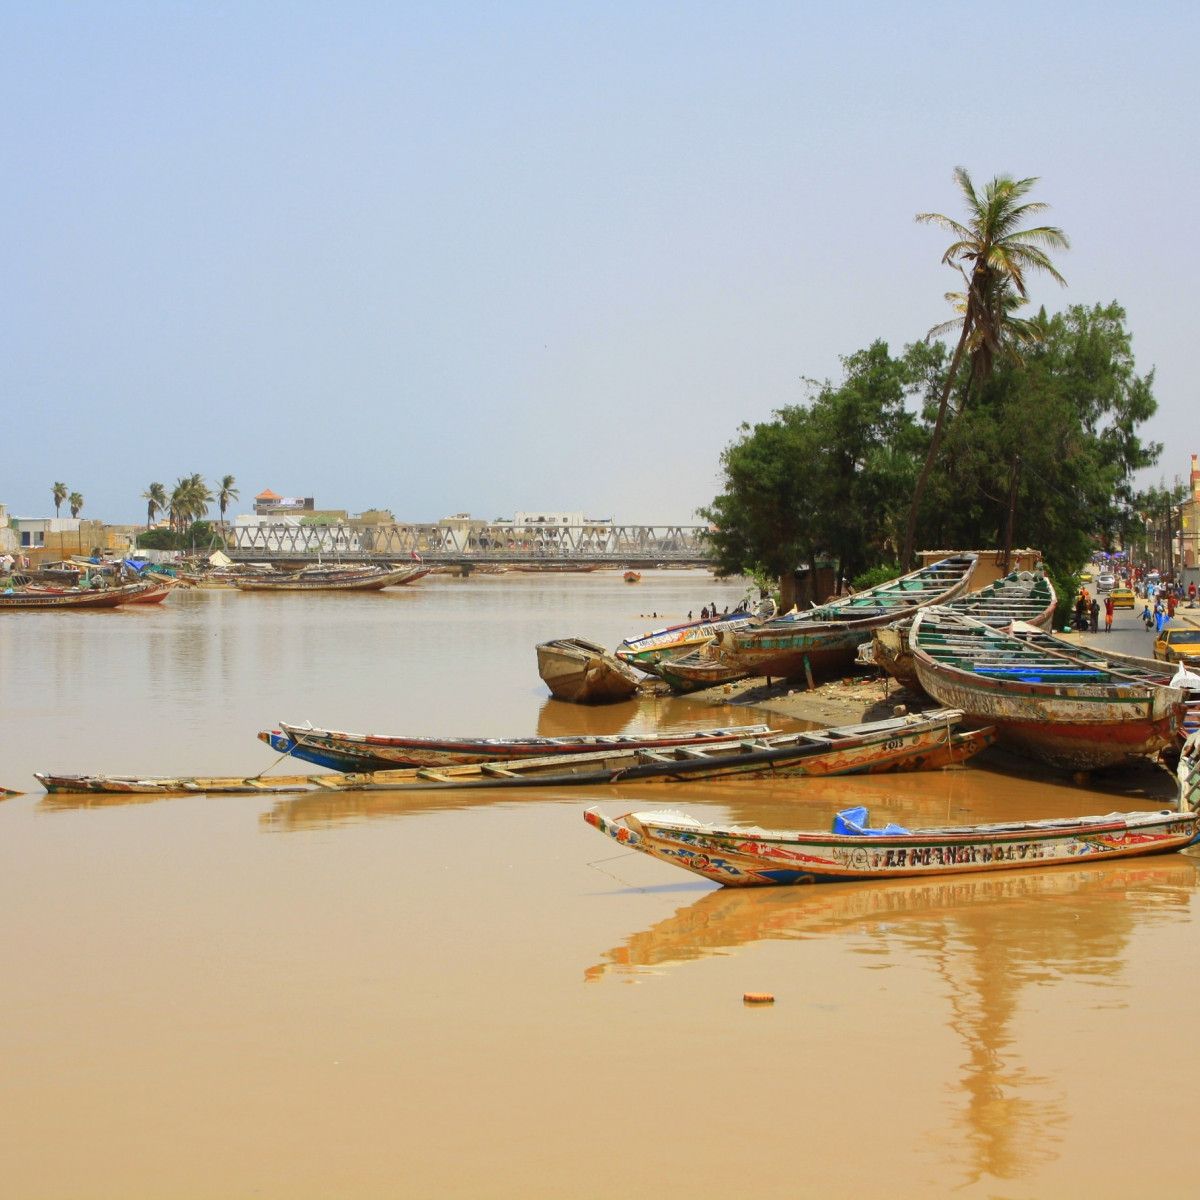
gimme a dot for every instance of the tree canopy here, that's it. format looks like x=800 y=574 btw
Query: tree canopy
x=1043 y=456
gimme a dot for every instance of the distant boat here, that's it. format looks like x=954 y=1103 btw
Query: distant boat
x=1020 y=596
x=747 y=856
x=583 y=672
x=331 y=579
x=923 y=741
x=382 y=752
x=826 y=637
x=632 y=577
x=1073 y=714
x=554 y=567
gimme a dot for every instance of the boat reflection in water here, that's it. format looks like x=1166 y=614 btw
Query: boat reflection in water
x=985 y=938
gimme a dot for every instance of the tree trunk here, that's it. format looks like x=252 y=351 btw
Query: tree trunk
x=910 y=532
x=787 y=591
x=1014 y=476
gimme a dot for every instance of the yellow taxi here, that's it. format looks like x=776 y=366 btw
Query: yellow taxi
x=1179 y=643
x=1122 y=597
x=1085 y=576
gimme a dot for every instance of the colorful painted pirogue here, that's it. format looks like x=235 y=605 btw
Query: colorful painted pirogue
x=1020 y=596
x=351 y=579
x=1071 y=714
x=751 y=857
x=674 y=641
x=583 y=672
x=69 y=599
x=383 y=752
x=826 y=638
x=704 y=667
x=921 y=741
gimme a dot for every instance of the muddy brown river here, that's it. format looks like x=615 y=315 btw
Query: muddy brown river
x=474 y=995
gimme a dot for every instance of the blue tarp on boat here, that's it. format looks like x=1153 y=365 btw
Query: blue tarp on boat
x=853 y=822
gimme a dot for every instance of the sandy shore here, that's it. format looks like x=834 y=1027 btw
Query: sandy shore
x=865 y=697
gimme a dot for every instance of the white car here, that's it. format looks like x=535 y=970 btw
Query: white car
x=1106 y=582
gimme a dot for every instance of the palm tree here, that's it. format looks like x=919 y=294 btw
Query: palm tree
x=60 y=494
x=75 y=500
x=225 y=493
x=156 y=500
x=998 y=253
x=189 y=501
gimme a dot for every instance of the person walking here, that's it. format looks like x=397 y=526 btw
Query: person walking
x=1095 y=615
x=1108 y=614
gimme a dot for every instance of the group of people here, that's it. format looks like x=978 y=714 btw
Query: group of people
x=1087 y=612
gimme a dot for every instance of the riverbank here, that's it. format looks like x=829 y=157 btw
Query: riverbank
x=862 y=697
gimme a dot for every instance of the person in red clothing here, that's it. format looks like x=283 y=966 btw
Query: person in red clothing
x=1170 y=605
x=1108 y=614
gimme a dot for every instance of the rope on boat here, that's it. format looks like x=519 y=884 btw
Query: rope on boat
x=286 y=754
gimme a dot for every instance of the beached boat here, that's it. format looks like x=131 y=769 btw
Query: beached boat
x=344 y=579
x=1021 y=596
x=382 y=752
x=64 y=599
x=923 y=741
x=704 y=667
x=746 y=856
x=674 y=641
x=583 y=672
x=1072 y=714
x=825 y=638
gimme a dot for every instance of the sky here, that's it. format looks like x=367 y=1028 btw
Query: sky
x=458 y=257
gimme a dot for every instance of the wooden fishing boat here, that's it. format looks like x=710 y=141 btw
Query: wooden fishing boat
x=153 y=591
x=632 y=577
x=647 y=651
x=551 y=567
x=921 y=741
x=825 y=638
x=704 y=667
x=583 y=672
x=1071 y=714
x=1021 y=596
x=73 y=600
x=1149 y=670
x=354 y=579
x=746 y=856
x=381 y=752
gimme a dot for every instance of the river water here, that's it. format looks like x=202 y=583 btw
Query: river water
x=468 y=996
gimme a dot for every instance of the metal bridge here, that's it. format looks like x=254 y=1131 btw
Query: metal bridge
x=617 y=545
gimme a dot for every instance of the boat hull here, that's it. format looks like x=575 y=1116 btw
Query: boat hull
x=761 y=858
x=1089 y=719
x=584 y=673
x=378 y=752
x=352 y=582
x=825 y=640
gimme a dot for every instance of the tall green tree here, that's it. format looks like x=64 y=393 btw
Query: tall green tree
x=1046 y=453
x=825 y=480
x=75 y=501
x=993 y=254
x=156 y=502
x=60 y=491
x=226 y=492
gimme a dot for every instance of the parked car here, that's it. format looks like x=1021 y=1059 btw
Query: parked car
x=1105 y=581
x=1085 y=576
x=1181 y=644
x=1122 y=597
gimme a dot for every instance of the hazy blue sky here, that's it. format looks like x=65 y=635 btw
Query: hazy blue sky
x=446 y=257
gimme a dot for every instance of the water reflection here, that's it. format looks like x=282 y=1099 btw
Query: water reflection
x=985 y=937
